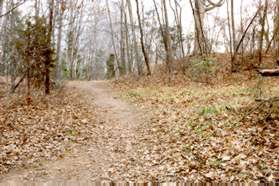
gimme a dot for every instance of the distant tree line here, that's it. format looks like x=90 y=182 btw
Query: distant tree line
x=84 y=39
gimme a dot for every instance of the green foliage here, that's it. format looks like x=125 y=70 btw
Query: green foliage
x=215 y=162
x=202 y=69
x=122 y=68
x=133 y=94
x=33 y=47
x=65 y=70
x=110 y=67
x=209 y=111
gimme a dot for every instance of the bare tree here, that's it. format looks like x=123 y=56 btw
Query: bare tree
x=234 y=67
x=116 y=62
x=61 y=5
x=49 y=54
x=75 y=26
x=262 y=23
x=164 y=28
x=127 y=43
x=138 y=60
x=276 y=30
x=145 y=54
x=233 y=27
x=177 y=11
x=199 y=8
x=122 y=38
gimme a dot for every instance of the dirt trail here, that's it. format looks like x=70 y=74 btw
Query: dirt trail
x=115 y=142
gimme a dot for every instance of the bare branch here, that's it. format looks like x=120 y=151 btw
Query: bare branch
x=213 y=5
x=12 y=9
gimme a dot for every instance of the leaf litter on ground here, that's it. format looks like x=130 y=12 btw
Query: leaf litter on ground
x=45 y=129
x=202 y=132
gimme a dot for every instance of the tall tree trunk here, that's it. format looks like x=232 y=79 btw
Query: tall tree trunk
x=59 y=39
x=5 y=40
x=180 y=27
x=276 y=30
x=75 y=17
x=262 y=22
x=200 y=46
x=146 y=57
x=70 y=37
x=177 y=11
x=127 y=43
x=1 y=37
x=78 y=30
x=13 y=64
x=49 y=53
x=199 y=9
x=122 y=39
x=242 y=30
x=233 y=26
x=168 y=43
x=234 y=67
x=229 y=29
x=138 y=60
x=1 y=18
x=165 y=36
x=116 y=62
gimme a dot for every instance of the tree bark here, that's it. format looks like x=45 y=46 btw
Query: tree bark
x=177 y=11
x=230 y=30
x=122 y=40
x=49 y=53
x=200 y=46
x=165 y=35
x=116 y=63
x=127 y=42
x=233 y=26
x=1 y=10
x=276 y=30
x=138 y=61
x=168 y=43
x=59 y=40
x=146 y=57
x=261 y=39
x=233 y=67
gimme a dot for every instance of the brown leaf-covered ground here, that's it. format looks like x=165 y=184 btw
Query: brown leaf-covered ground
x=42 y=128
x=202 y=132
x=142 y=131
x=95 y=140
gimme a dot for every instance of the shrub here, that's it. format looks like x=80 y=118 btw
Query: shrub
x=202 y=69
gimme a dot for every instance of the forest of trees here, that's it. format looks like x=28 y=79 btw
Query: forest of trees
x=76 y=39
x=139 y=90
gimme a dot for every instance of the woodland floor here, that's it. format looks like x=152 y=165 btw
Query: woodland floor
x=104 y=156
x=152 y=133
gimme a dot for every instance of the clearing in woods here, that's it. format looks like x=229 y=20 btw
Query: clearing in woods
x=115 y=141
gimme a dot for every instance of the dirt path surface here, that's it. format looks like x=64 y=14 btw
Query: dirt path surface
x=107 y=157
